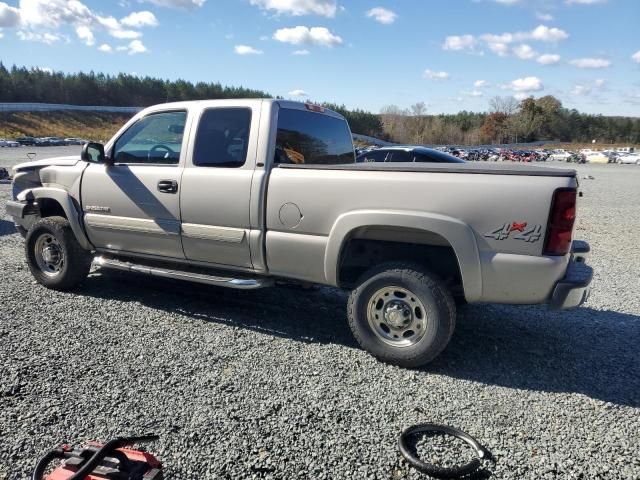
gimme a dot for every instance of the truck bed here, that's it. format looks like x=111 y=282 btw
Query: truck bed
x=477 y=168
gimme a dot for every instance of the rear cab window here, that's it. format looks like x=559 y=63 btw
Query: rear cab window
x=222 y=138
x=312 y=138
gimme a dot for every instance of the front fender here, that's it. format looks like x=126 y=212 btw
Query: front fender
x=66 y=202
x=459 y=235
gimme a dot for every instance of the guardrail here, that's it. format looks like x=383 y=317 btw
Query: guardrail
x=53 y=107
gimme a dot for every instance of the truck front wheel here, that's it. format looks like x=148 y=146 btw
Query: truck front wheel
x=55 y=257
x=402 y=314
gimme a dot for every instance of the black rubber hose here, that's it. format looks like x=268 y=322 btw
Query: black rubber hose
x=105 y=450
x=434 y=470
x=44 y=462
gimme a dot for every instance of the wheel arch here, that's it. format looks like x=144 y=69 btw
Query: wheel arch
x=429 y=229
x=58 y=202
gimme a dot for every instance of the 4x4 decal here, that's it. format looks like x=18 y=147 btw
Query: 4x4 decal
x=526 y=232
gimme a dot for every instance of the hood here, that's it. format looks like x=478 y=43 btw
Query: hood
x=47 y=162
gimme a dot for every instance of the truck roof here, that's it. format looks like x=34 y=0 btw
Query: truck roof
x=256 y=101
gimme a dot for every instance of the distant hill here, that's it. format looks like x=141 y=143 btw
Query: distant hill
x=98 y=126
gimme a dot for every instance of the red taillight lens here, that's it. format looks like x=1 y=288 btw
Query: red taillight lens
x=561 y=220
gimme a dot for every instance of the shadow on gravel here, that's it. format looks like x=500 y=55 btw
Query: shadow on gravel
x=314 y=316
x=583 y=351
x=7 y=228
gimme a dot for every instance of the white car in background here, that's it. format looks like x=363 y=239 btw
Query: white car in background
x=596 y=157
x=560 y=155
x=8 y=143
x=629 y=158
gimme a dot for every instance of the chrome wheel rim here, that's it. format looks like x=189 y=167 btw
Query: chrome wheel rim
x=49 y=255
x=397 y=316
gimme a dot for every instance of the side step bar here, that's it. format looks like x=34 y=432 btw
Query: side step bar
x=239 y=283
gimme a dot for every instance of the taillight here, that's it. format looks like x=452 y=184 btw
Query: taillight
x=561 y=220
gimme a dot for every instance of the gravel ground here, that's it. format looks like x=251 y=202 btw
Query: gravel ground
x=269 y=384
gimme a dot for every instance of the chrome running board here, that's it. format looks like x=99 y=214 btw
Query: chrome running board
x=239 y=283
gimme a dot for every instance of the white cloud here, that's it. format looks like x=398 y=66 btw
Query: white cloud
x=106 y=48
x=301 y=35
x=46 y=37
x=247 y=50
x=520 y=96
x=524 y=51
x=40 y=18
x=590 y=63
x=526 y=84
x=323 y=8
x=140 y=19
x=382 y=15
x=480 y=84
x=636 y=56
x=584 y=89
x=298 y=93
x=186 y=4
x=584 y=2
x=545 y=17
x=546 y=34
x=45 y=69
x=9 y=16
x=86 y=35
x=433 y=75
x=473 y=93
x=548 y=59
x=124 y=34
x=459 y=42
x=499 y=48
x=301 y=52
x=135 y=46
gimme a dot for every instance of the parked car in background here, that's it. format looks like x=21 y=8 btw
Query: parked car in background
x=629 y=158
x=8 y=143
x=596 y=157
x=560 y=155
x=74 y=141
x=407 y=154
x=27 y=141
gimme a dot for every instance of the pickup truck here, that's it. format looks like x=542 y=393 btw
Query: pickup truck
x=248 y=193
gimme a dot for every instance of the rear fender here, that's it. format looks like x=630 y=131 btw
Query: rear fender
x=459 y=235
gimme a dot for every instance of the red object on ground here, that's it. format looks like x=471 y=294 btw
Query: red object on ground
x=136 y=464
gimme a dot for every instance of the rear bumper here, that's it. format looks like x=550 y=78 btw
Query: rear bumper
x=573 y=290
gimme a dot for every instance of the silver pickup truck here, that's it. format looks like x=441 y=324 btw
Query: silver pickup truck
x=245 y=193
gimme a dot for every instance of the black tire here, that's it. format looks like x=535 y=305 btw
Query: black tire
x=439 y=317
x=75 y=263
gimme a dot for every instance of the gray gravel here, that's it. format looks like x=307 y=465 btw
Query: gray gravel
x=269 y=384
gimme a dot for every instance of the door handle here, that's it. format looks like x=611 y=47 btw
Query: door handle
x=168 y=186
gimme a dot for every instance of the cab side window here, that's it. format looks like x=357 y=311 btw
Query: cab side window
x=154 y=139
x=222 y=138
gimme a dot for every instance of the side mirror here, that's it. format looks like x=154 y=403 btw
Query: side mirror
x=93 y=152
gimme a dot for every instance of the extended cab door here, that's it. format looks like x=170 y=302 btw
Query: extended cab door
x=216 y=185
x=134 y=204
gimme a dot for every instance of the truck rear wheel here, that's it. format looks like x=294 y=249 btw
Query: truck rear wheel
x=55 y=257
x=401 y=314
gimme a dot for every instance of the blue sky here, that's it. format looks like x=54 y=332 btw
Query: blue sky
x=451 y=54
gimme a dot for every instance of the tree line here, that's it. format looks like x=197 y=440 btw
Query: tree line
x=507 y=121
